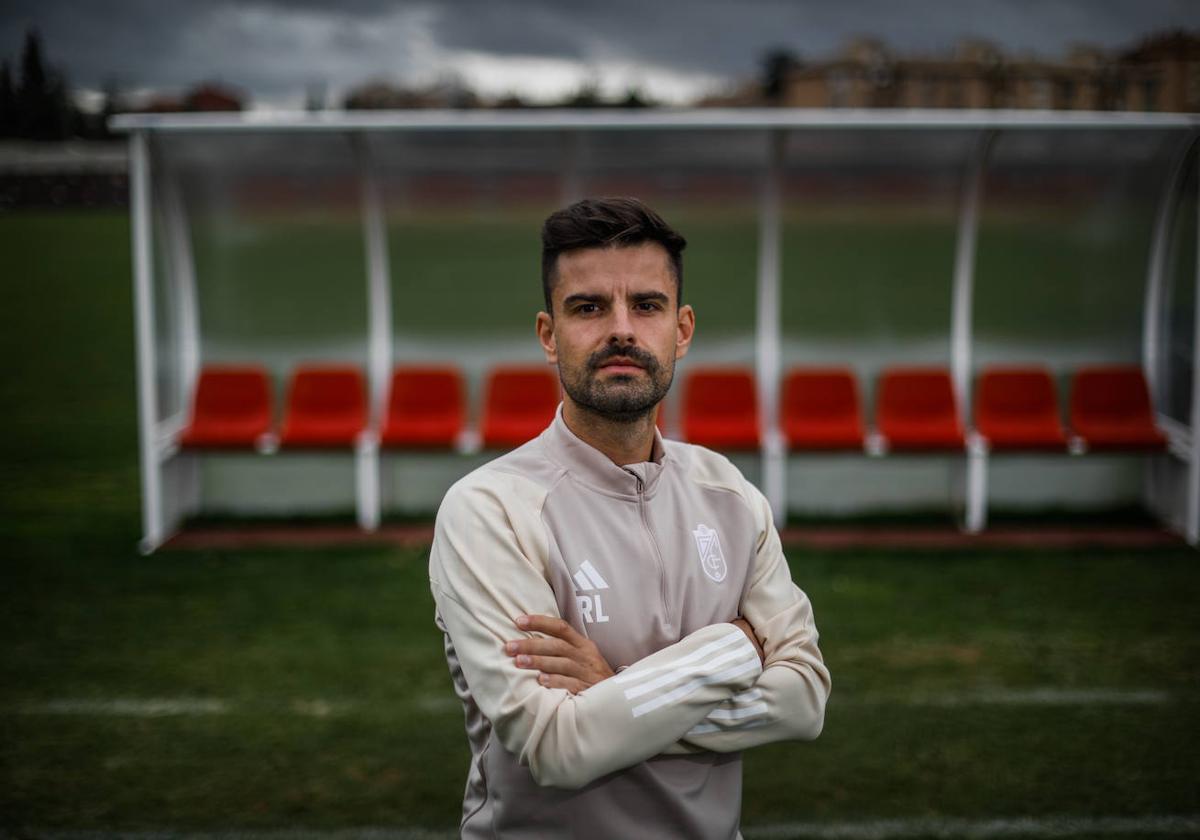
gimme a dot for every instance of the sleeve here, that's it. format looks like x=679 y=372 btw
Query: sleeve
x=486 y=569
x=787 y=701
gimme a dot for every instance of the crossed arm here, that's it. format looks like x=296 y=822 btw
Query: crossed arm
x=786 y=701
x=712 y=690
x=565 y=658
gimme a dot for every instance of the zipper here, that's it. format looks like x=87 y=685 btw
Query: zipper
x=662 y=568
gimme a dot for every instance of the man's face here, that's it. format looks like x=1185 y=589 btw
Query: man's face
x=616 y=329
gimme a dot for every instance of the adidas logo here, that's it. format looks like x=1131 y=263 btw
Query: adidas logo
x=589 y=580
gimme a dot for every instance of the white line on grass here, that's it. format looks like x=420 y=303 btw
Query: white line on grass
x=443 y=703
x=1049 y=826
x=899 y=829
x=1019 y=697
x=235 y=834
x=171 y=706
x=130 y=707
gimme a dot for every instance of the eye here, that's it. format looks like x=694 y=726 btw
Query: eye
x=587 y=308
x=648 y=306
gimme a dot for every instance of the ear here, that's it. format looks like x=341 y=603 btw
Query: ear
x=545 y=334
x=685 y=327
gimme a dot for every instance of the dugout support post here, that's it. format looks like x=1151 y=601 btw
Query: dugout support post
x=767 y=328
x=1192 y=520
x=379 y=339
x=153 y=524
x=961 y=333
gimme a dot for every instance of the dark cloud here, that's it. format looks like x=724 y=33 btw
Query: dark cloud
x=730 y=37
x=136 y=41
x=272 y=47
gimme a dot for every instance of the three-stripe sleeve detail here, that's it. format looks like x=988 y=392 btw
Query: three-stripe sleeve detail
x=725 y=659
x=695 y=656
x=744 y=710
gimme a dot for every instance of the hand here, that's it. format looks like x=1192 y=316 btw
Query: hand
x=744 y=625
x=566 y=660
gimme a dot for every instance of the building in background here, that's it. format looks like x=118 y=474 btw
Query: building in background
x=1162 y=73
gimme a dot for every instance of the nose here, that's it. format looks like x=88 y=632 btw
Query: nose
x=621 y=329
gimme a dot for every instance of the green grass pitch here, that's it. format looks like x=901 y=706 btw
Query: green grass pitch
x=246 y=690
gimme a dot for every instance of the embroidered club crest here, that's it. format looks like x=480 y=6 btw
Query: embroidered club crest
x=711 y=558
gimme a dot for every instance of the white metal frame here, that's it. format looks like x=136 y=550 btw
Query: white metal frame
x=1181 y=440
x=157 y=438
x=1192 y=517
x=961 y=332
x=154 y=526
x=379 y=306
x=741 y=119
x=767 y=328
x=1164 y=220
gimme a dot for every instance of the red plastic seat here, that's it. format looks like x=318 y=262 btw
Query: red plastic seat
x=326 y=407
x=425 y=407
x=519 y=403
x=821 y=410
x=720 y=408
x=1110 y=409
x=231 y=409
x=1017 y=408
x=915 y=410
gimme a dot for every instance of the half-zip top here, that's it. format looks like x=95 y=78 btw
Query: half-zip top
x=591 y=467
x=651 y=561
x=667 y=613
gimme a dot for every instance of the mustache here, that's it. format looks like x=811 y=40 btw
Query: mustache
x=636 y=354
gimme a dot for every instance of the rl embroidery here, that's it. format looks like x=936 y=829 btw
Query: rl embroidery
x=711 y=558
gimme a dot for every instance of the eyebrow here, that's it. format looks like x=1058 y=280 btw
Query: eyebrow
x=636 y=297
x=645 y=297
x=580 y=297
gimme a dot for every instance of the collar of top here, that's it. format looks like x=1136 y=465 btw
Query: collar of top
x=594 y=468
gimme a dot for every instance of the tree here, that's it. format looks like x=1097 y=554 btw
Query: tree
x=634 y=99
x=43 y=108
x=586 y=96
x=777 y=65
x=8 y=103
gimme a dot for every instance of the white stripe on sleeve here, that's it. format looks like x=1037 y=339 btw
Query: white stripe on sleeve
x=738 y=713
x=677 y=674
x=687 y=688
x=747 y=696
x=632 y=675
x=705 y=728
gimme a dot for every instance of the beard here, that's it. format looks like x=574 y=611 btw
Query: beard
x=623 y=398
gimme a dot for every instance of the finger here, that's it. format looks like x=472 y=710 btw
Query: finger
x=551 y=626
x=550 y=665
x=558 y=681
x=539 y=646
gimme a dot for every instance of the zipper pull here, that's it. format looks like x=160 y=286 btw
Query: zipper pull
x=636 y=478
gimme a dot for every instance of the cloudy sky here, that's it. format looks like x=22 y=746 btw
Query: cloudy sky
x=540 y=49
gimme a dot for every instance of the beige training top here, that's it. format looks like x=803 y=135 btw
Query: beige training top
x=651 y=561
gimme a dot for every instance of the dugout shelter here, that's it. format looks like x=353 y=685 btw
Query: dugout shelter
x=897 y=309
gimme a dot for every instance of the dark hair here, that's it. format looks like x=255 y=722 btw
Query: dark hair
x=606 y=223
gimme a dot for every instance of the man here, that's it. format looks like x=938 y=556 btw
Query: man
x=599 y=548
